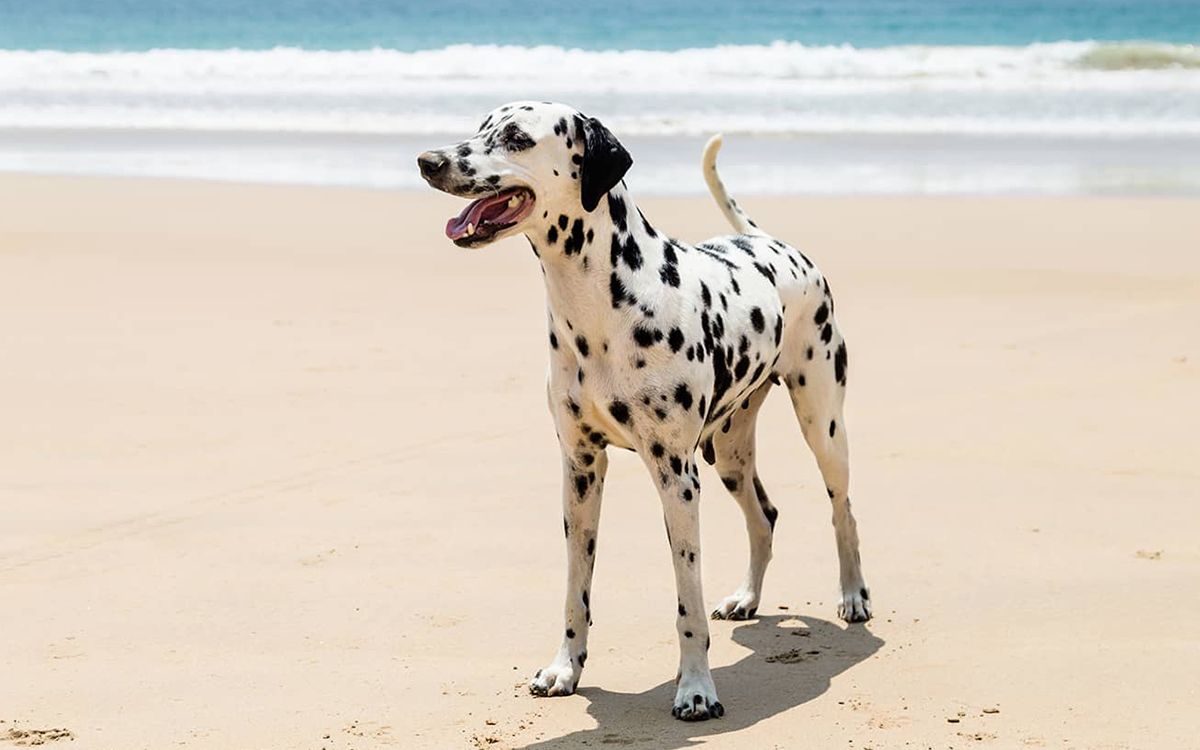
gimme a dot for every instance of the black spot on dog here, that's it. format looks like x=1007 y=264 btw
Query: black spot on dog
x=656 y=450
x=669 y=248
x=617 y=212
x=616 y=290
x=553 y=340
x=772 y=514
x=675 y=339
x=722 y=379
x=676 y=465
x=765 y=271
x=761 y=493
x=832 y=427
x=821 y=315
x=619 y=411
x=643 y=336
x=574 y=243
x=683 y=396
x=731 y=483
x=756 y=320
x=582 y=344
x=627 y=251
x=669 y=273
x=839 y=363
x=827 y=333
x=552 y=235
x=743 y=365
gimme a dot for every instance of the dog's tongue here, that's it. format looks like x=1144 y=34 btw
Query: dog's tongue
x=491 y=208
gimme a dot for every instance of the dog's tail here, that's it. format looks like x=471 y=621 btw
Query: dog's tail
x=736 y=216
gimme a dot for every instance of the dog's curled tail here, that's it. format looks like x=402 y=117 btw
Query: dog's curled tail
x=742 y=223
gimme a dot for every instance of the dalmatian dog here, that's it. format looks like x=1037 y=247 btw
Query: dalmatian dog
x=658 y=347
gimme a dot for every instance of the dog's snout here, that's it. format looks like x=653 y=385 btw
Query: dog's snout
x=432 y=163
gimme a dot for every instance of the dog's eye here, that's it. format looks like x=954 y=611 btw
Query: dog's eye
x=515 y=139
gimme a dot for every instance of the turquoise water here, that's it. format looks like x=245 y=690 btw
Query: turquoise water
x=132 y=25
x=932 y=96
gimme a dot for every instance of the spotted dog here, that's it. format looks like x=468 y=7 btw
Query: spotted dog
x=659 y=347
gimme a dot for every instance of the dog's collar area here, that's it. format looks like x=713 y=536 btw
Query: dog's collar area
x=483 y=218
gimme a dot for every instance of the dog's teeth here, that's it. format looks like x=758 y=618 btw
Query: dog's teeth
x=514 y=201
x=470 y=229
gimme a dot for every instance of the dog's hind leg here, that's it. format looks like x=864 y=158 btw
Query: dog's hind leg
x=817 y=385
x=733 y=445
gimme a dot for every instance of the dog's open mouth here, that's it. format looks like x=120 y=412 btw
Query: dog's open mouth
x=484 y=218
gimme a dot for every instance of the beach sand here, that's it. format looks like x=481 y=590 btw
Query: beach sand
x=276 y=472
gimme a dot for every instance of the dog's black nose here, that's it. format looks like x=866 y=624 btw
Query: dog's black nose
x=432 y=163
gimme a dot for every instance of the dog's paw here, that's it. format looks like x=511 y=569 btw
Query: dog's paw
x=556 y=679
x=696 y=700
x=740 y=606
x=855 y=605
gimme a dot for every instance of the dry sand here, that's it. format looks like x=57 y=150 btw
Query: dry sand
x=275 y=472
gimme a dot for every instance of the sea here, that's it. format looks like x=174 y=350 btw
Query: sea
x=1069 y=97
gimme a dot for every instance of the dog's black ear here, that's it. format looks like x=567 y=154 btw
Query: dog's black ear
x=605 y=162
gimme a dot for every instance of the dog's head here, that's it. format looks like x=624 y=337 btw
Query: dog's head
x=529 y=163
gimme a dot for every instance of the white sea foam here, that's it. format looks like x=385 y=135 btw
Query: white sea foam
x=1049 y=118
x=1062 y=88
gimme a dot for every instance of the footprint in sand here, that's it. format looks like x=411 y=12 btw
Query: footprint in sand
x=25 y=737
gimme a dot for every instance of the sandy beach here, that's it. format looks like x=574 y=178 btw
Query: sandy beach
x=276 y=472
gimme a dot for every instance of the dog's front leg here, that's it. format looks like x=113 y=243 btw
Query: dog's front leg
x=679 y=488
x=584 y=466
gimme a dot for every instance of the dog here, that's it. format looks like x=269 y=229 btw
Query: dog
x=658 y=347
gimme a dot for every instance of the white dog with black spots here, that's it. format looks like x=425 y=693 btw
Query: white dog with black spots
x=658 y=347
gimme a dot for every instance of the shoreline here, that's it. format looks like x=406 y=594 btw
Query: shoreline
x=813 y=164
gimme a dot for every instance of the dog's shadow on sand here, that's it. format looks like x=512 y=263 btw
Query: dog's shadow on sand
x=805 y=653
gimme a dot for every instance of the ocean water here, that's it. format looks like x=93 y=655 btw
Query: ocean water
x=926 y=96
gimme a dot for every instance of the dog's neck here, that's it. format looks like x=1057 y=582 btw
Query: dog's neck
x=619 y=270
